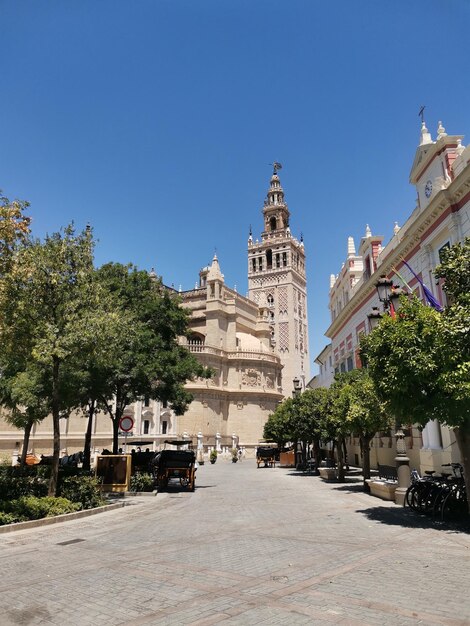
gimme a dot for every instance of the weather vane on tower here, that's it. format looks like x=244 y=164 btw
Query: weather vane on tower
x=421 y=113
x=276 y=166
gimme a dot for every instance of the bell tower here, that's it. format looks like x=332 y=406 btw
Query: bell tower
x=276 y=275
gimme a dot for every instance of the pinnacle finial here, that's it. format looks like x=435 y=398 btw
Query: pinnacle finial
x=396 y=228
x=425 y=135
x=351 y=247
x=441 y=131
x=368 y=231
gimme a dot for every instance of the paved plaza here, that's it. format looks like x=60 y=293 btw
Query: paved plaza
x=249 y=546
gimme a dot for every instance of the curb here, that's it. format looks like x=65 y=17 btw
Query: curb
x=47 y=521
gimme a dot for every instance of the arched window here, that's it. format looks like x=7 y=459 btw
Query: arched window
x=196 y=342
x=272 y=223
x=270 y=300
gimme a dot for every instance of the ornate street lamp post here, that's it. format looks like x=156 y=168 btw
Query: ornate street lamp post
x=298 y=446
x=384 y=289
x=389 y=296
x=374 y=318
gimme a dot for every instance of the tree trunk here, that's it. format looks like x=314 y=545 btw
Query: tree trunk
x=316 y=453
x=87 y=443
x=339 y=455
x=345 y=454
x=462 y=435
x=116 y=419
x=24 y=451
x=365 y=449
x=115 y=434
x=56 y=427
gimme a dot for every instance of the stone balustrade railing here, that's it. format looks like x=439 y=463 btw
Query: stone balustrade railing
x=200 y=348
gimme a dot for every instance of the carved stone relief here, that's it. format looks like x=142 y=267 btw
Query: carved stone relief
x=251 y=378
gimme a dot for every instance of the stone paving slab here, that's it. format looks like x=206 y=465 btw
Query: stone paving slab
x=249 y=546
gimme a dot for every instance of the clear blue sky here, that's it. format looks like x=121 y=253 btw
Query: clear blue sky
x=155 y=121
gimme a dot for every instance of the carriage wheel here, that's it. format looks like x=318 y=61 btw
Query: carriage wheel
x=184 y=481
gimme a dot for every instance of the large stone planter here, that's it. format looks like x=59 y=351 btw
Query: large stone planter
x=382 y=489
x=327 y=473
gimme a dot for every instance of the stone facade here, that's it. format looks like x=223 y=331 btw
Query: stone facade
x=253 y=345
x=277 y=278
x=231 y=335
x=441 y=174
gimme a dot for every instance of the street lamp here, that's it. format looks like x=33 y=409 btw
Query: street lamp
x=298 y=446
x=297 y=386
x=384 y=290
x=374 y=318
x=389 y=296
x=395 y=296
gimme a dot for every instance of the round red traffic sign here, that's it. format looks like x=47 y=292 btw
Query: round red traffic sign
x=126 y=424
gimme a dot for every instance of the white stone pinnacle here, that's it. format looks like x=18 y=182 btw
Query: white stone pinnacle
x=351 y=247
x=441 y=131
x=425 y=135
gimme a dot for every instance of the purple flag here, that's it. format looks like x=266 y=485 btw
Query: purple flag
x=432 y=300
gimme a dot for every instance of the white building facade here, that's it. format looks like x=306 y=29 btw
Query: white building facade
x=441 y=175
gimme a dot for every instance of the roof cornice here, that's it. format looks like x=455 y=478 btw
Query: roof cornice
x=450 y=199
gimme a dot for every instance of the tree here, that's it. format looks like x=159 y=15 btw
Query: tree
x=14 y=230
x=277 y=426
x=311 y=411
x=455 y=344
x=365 y=413
x=419 y=362
x=49 y=316
x=335 y=425
x=146 y=358
x=23 y=394
x=300 y=420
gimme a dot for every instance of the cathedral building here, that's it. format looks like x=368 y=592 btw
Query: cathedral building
x=254 y=345
x=277 y=276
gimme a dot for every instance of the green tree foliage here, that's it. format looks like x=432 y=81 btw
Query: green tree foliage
x=278 y=425
x=14 y=230
x=455 y=269
x=455 y=344
x=403 y=357
x=364 y=413
x=146 y=358
x=50 y=314
x=24 y=394
x=420 y=360
x=302 y=419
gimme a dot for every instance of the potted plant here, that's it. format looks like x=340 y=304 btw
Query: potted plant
x=234 y=455
x=213 y=456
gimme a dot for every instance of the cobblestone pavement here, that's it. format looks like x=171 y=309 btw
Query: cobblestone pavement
x=249 y=546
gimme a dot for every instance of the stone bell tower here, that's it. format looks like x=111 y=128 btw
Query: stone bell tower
x=276 y=272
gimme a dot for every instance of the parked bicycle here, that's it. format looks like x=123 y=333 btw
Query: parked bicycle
x=442 y=496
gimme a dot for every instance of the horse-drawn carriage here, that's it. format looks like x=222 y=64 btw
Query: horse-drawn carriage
x=267 y=455
x=174 y=464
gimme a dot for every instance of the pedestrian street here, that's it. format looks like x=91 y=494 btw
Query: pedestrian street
x=249 y=546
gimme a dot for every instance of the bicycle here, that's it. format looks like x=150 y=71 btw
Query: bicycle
x=452 y=500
